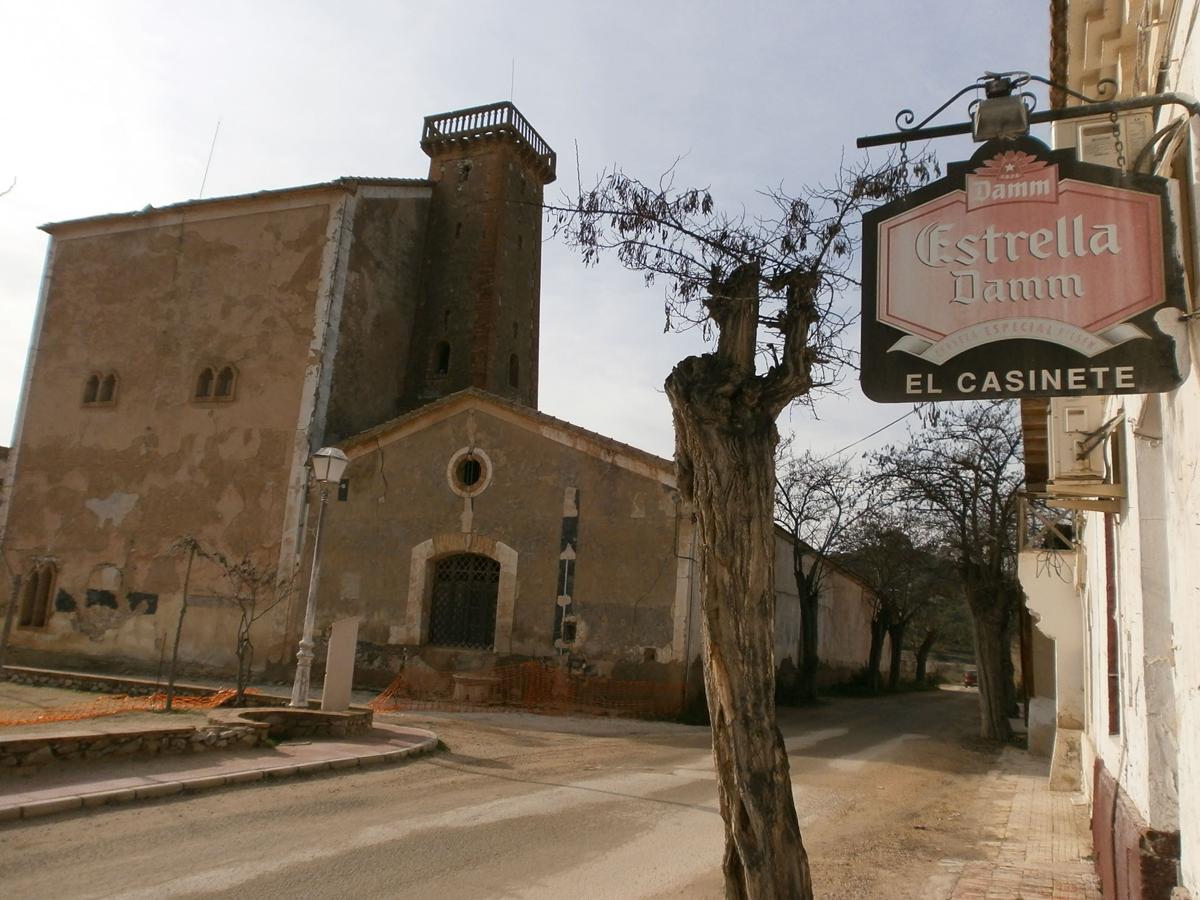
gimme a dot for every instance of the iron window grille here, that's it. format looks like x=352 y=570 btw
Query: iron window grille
x=462 y=609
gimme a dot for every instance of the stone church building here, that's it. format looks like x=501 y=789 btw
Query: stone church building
x=188 y=359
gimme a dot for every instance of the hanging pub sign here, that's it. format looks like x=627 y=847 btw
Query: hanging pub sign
x=1022 y=273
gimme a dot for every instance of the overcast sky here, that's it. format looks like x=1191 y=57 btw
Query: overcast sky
x=112 y=106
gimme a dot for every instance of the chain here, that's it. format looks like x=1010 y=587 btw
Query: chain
x=1120 y=145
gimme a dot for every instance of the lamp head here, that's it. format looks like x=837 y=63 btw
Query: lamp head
x=328 y=465
x=1001 y=114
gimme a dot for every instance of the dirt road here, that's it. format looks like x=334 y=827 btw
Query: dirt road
x=529 y=806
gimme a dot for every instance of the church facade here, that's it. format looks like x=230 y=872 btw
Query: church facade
x=188 y=360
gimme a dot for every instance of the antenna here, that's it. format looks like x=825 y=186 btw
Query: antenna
x=512 y=79
x=212 y=147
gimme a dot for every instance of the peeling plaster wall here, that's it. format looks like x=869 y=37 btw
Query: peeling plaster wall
x=379 y=307
x=5 y=485
x=625 y=573
x=1179 y=458
x=1181 y=449
x=105 y=489
x=1143 y=756
x=1156 y=757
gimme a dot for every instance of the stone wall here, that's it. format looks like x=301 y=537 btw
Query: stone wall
x=298 y=724
x=27 y=753
x=102 y=684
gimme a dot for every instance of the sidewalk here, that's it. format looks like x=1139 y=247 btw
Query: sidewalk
x=75 y=786
x=1037 y=842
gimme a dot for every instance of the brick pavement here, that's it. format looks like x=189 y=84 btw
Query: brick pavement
x=1036 y=842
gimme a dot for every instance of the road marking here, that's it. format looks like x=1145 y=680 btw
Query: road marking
x=546 y=801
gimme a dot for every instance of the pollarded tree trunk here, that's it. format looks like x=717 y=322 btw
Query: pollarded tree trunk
x=896 y=645
x=988 y=621
x=922 y=653
x=806 y=689
x=725 y=438
x=879 y=626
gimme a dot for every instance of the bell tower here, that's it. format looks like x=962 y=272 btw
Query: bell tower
x=478 y=323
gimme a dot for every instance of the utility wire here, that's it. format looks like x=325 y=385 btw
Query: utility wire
x=211 y=148
x=915 y=409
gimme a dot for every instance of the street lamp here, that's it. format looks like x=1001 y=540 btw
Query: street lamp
x=328 y=464
x=1002 y=114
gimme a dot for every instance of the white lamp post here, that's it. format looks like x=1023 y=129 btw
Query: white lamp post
x=328 y=464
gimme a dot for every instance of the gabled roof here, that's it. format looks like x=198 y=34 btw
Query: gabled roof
x=613 y=451
x=348 y=183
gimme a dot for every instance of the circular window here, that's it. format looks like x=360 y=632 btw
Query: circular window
x=469 y=472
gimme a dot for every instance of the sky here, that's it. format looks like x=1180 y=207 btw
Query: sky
x=112 y=106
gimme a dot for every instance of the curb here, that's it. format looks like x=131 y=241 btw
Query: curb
x=36 y=809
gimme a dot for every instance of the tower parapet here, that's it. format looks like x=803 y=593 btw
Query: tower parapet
x=484 y=122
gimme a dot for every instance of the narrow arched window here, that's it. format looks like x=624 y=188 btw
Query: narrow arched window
x=204 y=384
x=225 y=381
x=100 y=389
x=441 y=358
x=35 y=597
x=514 y=371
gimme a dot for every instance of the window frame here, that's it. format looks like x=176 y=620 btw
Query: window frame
x=101 y=389
x=37 y=593
x=208 y=382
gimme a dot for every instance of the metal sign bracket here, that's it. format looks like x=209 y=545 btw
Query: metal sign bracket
x=999 y=86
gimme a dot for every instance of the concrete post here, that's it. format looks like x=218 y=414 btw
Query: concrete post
x=339 y=665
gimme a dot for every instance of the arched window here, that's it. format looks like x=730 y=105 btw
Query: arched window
x=204 y=384
x=462 y=608
x=35 y=596
x=514 y=371
x=441 y=358
x=225 y=382
x=216 y=383
x=100 y=389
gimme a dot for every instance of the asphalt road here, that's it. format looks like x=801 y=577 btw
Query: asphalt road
x=526 y=806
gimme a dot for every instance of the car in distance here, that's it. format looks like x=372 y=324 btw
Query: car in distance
x=971 y=678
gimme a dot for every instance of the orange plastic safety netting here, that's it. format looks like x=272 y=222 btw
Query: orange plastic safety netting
x=112 y=705
x=530 y=685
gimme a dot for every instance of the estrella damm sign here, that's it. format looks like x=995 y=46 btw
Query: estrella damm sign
x=1022 y=273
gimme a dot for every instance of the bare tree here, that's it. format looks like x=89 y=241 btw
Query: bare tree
x=962 y=474
x=817 y=502
x=255 y=589
x=770 y=288
x=938 y=618
x=898 y=565
x=191 y=547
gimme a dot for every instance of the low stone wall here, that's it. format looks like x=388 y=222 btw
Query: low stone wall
x=116 y=684
x=100 y=684
x=285 y=723
x=24 y=754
